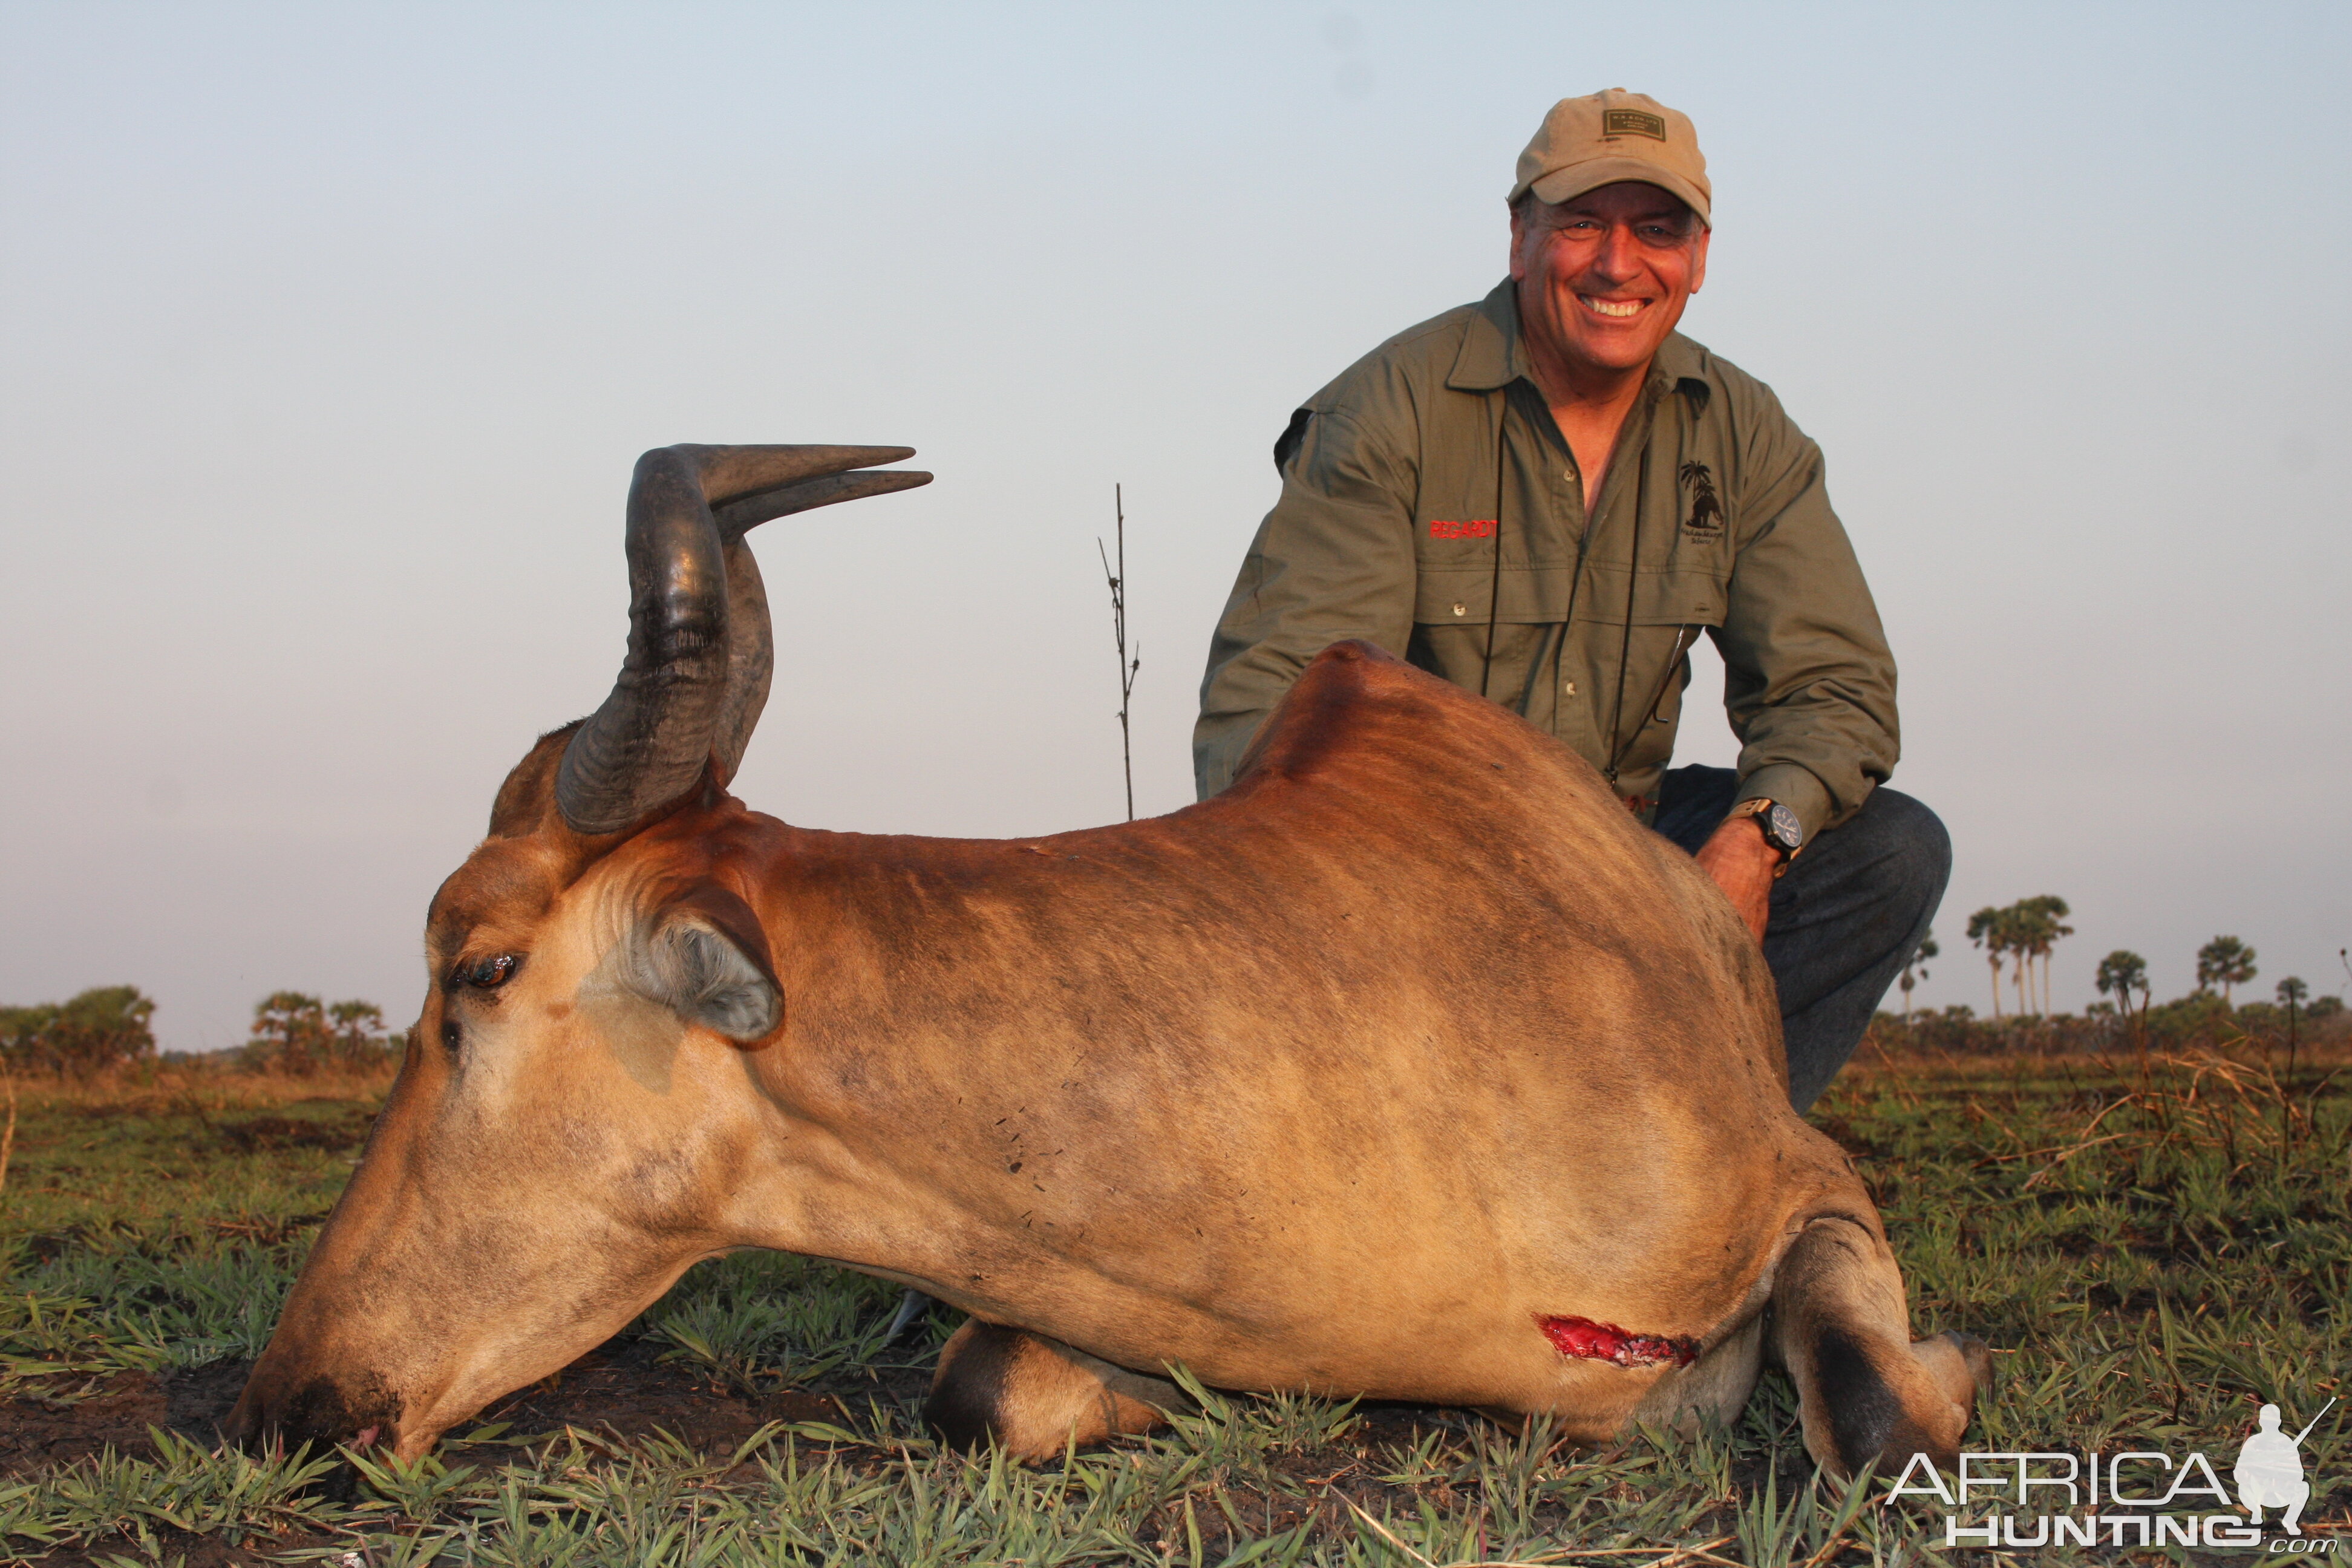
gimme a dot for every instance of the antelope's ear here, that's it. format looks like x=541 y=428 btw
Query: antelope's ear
x=704 y=957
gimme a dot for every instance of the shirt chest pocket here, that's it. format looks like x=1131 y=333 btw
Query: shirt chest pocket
x=1674 y=596
x=1521 y=595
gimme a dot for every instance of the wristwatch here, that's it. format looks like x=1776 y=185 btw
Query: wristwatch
x=1781 y=829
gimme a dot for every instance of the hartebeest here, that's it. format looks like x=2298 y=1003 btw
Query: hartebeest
x=1409 y=1065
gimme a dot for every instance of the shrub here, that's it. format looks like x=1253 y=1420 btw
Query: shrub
x=104 y=1026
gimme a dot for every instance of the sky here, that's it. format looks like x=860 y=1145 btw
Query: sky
x=329 y=335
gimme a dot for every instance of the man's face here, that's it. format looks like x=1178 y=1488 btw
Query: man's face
x=1604 y=278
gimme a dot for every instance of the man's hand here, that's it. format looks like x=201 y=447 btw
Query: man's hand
x=1743 y=865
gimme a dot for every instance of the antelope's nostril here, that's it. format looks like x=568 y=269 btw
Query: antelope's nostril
x=320 y=1411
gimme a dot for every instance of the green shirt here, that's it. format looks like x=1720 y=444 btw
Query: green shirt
x=1713 y=520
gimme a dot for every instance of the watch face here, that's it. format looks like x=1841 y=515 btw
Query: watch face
x=1783 y=827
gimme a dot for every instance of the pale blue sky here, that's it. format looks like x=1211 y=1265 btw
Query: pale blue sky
x=330 y=334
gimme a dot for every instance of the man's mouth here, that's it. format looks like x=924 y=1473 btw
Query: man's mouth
x=1616 y=310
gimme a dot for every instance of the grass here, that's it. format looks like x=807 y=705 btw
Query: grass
x=2154 y=1249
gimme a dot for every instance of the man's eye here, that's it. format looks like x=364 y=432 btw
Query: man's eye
x=490 y=973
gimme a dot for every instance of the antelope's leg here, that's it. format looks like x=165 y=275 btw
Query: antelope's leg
x=1032 y=1393
x=1866 y=1389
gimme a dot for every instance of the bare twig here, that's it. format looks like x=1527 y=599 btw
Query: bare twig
x=7 y=1138
x=1660 y=1556
x=1127 y=665
x=1666 y=1556
x=2051 y=1169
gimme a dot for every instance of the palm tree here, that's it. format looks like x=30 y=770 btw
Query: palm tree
x=358 y=1030
x=2121 y=973
x=1989 y=931
x=2025 y=930
x=2292 y=994
x=2224 y=962
x=2025 y=938
x=2043 y=919
x=1918 y=960
x=290 y=1034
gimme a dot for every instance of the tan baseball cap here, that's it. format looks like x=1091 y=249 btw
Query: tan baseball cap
x=1588 y=143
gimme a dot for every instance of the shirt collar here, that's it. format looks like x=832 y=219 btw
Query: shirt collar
x=1493 y=354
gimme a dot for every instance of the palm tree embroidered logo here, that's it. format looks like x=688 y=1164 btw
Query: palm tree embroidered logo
x=1706 y=512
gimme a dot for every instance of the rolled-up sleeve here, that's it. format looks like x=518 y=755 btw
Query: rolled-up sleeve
x=1809 y=682
x=1333 y=560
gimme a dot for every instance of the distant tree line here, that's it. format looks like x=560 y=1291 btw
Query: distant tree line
x=2017 y=941
x=107 y=1028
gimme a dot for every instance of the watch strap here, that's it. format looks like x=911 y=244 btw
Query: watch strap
x=1777 y=823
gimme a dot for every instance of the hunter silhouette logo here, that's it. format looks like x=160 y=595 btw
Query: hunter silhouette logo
x=1706 y=512
x=2269 y=1472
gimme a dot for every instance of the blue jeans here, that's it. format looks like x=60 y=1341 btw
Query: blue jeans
x=1852 y=910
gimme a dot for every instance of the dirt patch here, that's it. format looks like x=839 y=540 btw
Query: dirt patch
x=619 y=1389
x=264 y=1134
x=39 y=1433
x=199 y=1399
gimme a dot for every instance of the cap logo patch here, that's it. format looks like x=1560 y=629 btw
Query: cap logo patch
x=1632 y=122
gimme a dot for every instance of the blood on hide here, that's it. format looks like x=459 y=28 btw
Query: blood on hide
x=1588 y=1341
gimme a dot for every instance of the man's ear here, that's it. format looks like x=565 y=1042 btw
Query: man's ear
x=704 y=957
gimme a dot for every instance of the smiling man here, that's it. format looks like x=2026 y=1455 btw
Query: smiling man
x=1548 y=498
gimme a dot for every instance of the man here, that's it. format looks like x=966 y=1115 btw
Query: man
x=1548 y=496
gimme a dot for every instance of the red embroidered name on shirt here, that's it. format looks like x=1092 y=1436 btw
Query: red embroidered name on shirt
x=1476 y=527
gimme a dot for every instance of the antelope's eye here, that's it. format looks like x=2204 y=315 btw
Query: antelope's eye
x=490 y=973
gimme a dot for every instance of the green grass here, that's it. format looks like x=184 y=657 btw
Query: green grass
x=2153 y=1251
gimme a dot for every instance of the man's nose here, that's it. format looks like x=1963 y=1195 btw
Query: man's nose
x=1620 y=257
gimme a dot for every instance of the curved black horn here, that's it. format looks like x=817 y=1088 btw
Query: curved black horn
x=700 y=656
x=751 y=654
